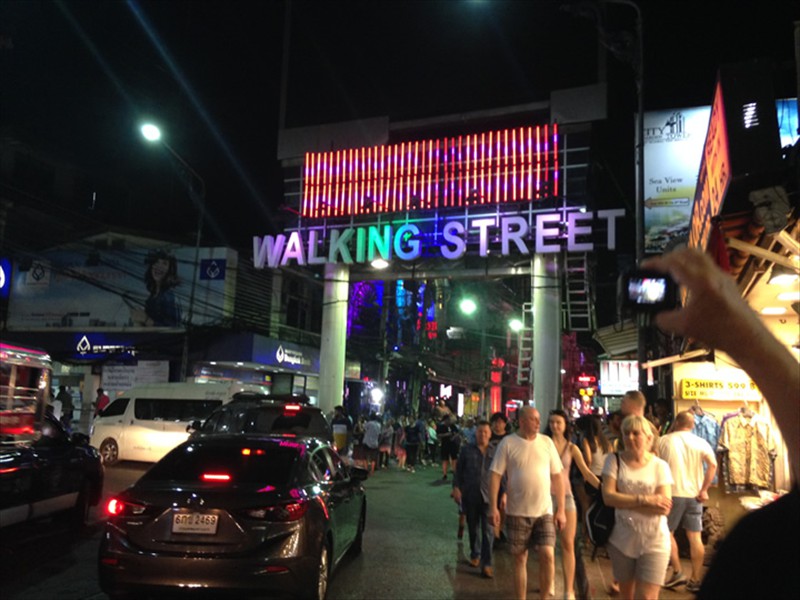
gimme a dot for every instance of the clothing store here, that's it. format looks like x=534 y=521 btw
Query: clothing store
x=741 y=217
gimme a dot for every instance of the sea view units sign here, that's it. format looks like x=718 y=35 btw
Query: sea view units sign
x=673 y=146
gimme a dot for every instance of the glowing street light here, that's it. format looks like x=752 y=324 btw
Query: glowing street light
x=468 y=306
x=152 y=133
x=515 y=325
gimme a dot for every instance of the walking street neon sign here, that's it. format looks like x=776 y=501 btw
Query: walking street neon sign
x=407 y=241
x=439 y=182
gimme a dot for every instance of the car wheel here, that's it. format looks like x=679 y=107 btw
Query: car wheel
x=320 y=590
x=109 y=452
x=358 y=542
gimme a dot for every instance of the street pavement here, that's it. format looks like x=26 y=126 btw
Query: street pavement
x=411 y=550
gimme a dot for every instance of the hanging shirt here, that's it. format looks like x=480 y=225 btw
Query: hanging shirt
x=749 y=442
x=706 y=427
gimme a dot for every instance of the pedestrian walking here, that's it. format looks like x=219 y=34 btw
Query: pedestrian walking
x=471 y=483
x=693 y=465
x=533 y=467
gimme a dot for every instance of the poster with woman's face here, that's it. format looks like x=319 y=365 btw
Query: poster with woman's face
x=128 y=288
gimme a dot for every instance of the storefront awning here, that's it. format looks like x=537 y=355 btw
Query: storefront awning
x=618 y=340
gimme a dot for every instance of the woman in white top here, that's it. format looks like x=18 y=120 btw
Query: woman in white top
x=640 y=490
x=595 y=445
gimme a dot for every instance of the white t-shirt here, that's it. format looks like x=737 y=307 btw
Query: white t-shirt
x=636 y=533
x=529 y=465
x=685 y=453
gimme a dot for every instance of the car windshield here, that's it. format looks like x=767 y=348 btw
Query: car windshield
x=266 y=419
x=258 y=463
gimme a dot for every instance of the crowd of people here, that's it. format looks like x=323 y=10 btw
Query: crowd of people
x=513 y=485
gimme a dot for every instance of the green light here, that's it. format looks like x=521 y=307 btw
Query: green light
x=515 y=325
x=468 y=306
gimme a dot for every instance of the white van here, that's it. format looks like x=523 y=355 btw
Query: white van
x=147 y=421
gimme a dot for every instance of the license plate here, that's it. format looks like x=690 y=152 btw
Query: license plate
x=194 y=523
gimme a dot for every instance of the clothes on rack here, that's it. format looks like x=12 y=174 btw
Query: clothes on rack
x=706 y=427
x=749 y=442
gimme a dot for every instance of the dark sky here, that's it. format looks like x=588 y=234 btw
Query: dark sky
x=76 y=78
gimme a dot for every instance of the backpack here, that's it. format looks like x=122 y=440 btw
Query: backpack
x=600 y=518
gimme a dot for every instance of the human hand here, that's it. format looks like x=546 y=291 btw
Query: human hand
x=560 y=519
x=660 y=502
x=715 y=313
x=494 y=517
x=702 y=496
x=456 y=494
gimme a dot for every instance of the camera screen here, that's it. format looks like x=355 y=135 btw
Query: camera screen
x=647 y=290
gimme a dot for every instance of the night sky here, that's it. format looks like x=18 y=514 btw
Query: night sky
x=77 y=77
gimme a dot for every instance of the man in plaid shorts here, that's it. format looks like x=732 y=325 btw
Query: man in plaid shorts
x=533 y=467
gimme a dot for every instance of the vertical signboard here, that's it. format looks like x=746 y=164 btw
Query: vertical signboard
x=673 y=146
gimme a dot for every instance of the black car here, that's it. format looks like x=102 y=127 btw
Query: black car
x=250 y=412
x=52 y=472
x=235 y=513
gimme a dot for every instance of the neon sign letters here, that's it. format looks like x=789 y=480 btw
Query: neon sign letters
x=498 y=167
x=407 y=241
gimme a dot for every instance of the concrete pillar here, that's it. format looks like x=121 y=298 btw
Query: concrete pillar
x=334 y=336
x=546 y=294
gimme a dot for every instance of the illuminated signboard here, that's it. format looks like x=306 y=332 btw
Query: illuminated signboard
x=548 y=232
x=714 y=176
x=512 y=165
x=704 y=389
x=5 y=277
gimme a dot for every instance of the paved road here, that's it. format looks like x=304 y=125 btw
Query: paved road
x=410 y=551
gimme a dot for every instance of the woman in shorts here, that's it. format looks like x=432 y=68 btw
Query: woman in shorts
x=558 y=428
x=641 y=491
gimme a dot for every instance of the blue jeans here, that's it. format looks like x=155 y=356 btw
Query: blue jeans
x=477 y=512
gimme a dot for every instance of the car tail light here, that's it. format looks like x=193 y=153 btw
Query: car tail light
x=216 y=477
x=291 y=409
x=281 y=513
x=120 y=508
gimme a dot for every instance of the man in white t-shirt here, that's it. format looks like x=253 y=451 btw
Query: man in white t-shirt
x=533 y=469
x=687 y=454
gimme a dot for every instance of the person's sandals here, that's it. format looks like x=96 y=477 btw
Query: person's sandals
x=675 y=580
x=692 y=586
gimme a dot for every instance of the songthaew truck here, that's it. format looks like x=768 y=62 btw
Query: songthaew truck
x=43 y=469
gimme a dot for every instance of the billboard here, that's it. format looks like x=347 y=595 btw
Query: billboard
x=673 y=146
x=128 y=287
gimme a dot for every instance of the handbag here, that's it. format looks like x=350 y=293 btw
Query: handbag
x=600 y=517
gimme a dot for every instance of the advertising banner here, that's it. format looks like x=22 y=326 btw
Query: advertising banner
x=127 y=288
x=673 y=146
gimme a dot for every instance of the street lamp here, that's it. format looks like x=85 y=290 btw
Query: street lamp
x=152 y=133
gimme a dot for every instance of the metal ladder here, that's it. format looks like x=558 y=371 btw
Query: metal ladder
x=577 y=305
x=525 y=345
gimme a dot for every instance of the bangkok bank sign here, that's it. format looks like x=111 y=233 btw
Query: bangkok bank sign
x=453 y=194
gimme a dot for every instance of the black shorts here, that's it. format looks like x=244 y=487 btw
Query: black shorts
x=449 y=450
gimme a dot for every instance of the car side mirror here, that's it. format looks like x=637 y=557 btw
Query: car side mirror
x=193 y=426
